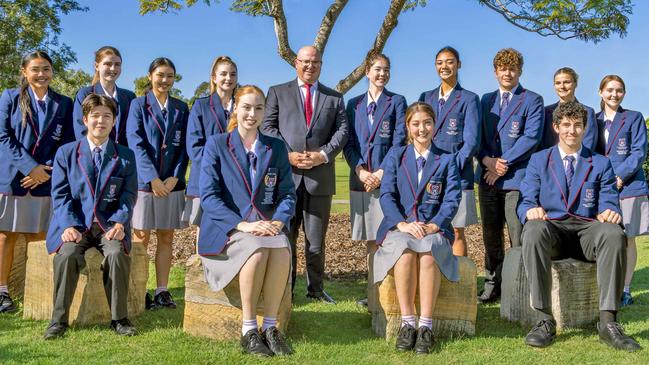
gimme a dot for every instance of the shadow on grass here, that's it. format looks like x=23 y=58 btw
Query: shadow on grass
x=151 y=320
x=335 y=327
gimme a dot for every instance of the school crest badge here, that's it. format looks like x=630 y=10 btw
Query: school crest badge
x=589 y=198
x=58 y=131
x=270 y=180
x=434 y=189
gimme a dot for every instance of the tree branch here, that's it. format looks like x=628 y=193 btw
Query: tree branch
x=389 y=23
x=327 y=24
x=276 y=11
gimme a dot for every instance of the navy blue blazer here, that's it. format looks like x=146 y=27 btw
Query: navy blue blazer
x=457 y=129
x=78 y=197
x=368 y=147
x=627 y=150
x=592 y=191
x=514 y=137
x=23 y=147
x=124 y=98
x=434 y=200
x=159 y=145
x=228 y=197
x=550 y=138
x=206 y=118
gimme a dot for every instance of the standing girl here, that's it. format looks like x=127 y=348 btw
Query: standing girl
x=420 y=193
x=34 y=122
x=623 y=139
x=377 y=120
x=108 y=68
x=565 y=84
x=156 y=133
x=457 y=113
x=209 y=116
x=248 y=199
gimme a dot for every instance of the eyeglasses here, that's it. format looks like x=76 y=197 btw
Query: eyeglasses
x=309 y=62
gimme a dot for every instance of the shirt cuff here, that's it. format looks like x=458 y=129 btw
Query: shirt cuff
x=325 y=156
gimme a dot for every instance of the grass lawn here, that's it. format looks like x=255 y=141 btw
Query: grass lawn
x=321 y=334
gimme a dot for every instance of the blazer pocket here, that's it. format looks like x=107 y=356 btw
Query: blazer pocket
x=110 y=195
x=589 y=197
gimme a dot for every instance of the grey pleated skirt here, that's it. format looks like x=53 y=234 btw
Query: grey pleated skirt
x=221 y=269
x=396 y=243
x=193 y=211
x=467 y=213
x=159 y=213
x=366 y=214
x=25 y=214
x=635 y=215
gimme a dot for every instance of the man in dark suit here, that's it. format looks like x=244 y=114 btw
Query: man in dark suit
x=310 y=118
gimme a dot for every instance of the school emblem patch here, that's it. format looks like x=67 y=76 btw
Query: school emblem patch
x=58 y=131
x=514 y=129
x=622 y=142
x=434 y=189
x=452 y=123
x=589 y=198
x=622 y=146
x=270 y=180
x=177 y=138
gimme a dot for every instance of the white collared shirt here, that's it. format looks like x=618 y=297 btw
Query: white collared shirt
x=41 y=113
x=166 y=104
x=511 y=92
x=611 y=118
x=425 y=156
x=445 y=97
x=370 y=99
x=314 y=92
x=114 y=94
x=565 y=163
x=253 y=148
x=101 y=146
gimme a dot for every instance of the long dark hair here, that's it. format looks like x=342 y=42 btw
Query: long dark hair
x=24 y=100
x=160 y=61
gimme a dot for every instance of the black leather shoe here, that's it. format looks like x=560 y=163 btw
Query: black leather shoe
x=323 y=297
x=123 y=327
x=149 y=303
x=613 y=335
x=362 y=302
x=425 y=341
x=276 y=342
x=164 y=299
x=406 y=338
x=55 y=330
x=543 y=334
x=6 y=304
x=253 y=344
x=489 y=294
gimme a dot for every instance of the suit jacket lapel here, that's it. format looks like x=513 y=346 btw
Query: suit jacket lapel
x=362 y=120
x=319 y=102
x=84 y=159
x=238 y=150
x=411 y=168
x=172 y=113
x=430 y=167
x=560 y=172
x=513 y=105
x=264 y=153
x=109 y=160
x=616 y=126
x=154 y=108
x=299 y=103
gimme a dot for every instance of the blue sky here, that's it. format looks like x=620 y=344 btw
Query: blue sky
x=193 y=37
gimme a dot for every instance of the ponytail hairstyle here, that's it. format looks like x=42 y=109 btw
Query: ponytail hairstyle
x=567 y=71
x=372 y=57
x=606 y=80
x=24 y=100
x=221 y=60
x=241 y=91
x=414 y=108
x=160 y=61
x=100 y=54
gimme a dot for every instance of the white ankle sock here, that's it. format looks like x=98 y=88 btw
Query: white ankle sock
x=160 y=289
x=4 y=289
x=627 y=289
x=268 y=322
x=247 y=325
x=426 y=322
x=411 y=320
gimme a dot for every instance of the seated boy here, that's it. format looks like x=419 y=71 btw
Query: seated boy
x=94 y=187
x=569 y=208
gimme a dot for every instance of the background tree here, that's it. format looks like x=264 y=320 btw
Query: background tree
x=142 y=84
x=70 y=81
x=201 y=91
x=587 y=20
x=27 y=25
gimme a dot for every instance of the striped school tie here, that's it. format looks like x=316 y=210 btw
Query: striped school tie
x=570 y=169
x=505 y=102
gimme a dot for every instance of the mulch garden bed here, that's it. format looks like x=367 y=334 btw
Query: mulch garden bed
x=345 y=259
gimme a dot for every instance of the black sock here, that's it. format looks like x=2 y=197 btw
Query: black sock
x=607 y=316
x=545 y=313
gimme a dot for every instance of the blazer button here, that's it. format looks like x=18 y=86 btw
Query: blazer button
x=497 y=140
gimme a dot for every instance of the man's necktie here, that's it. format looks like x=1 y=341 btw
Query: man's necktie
x=308 y=107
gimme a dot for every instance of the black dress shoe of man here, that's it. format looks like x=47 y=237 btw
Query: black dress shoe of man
x=406 y=338
x=323 y=297
x=6 y=304
x=276 y=342
x=543 y=334
x=164 y=299
x=55 y=330
x=489 y=294
x=425 y=341
x=613 y=335
x=123 y=327
x=253 y=344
